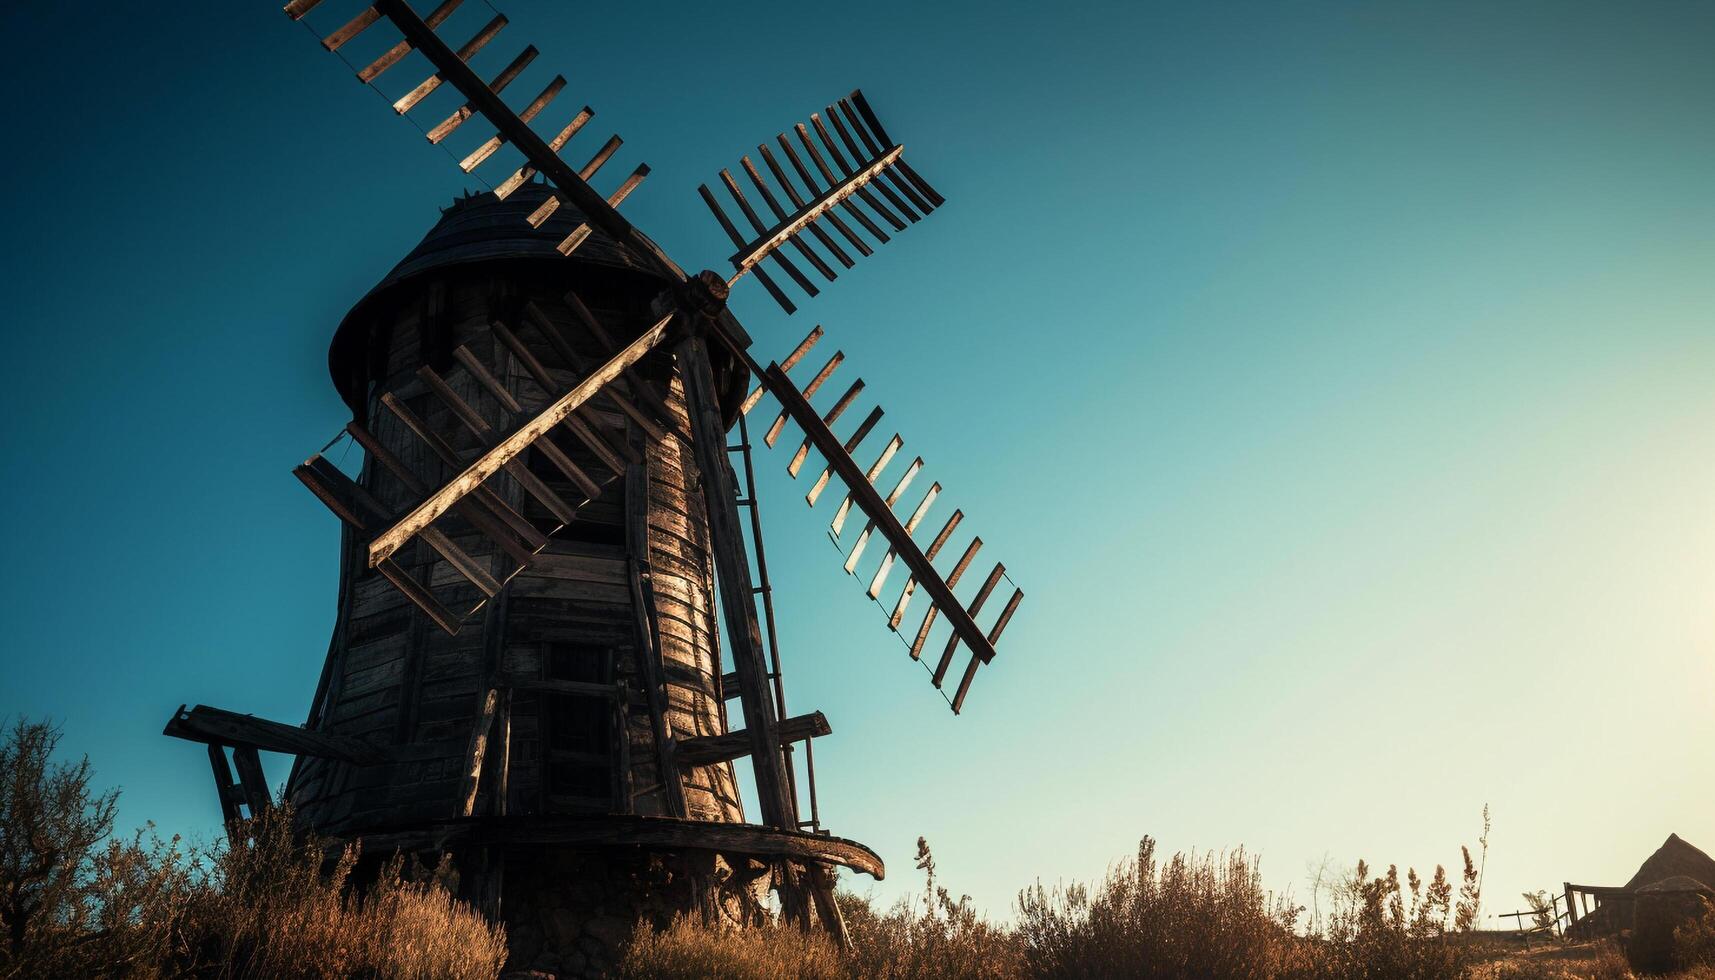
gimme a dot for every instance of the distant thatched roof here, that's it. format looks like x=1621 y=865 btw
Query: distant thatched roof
x=1675 y=858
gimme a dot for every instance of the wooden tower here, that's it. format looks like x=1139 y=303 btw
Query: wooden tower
x=555 y=634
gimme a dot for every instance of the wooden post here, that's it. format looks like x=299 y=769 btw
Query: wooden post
x=475 y=752
x=223 y=784
x=255 y=785
x=738 y=602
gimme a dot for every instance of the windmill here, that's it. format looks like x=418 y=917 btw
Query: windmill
x=547 y=533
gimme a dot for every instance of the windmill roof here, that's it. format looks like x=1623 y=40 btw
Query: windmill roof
x=1675 y=859
x=481 y=229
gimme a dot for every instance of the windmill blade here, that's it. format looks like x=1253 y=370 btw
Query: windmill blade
x=859 y=166
x=881 y=518
x=467 y=494
x=451 y=67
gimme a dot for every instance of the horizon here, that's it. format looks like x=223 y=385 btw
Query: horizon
x=1334 y=382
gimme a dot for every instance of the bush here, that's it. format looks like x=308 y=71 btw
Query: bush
x=77 y=902
x=1194 y=916
x=270 y=910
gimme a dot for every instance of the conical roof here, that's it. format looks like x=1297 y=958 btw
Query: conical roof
x=475 y=230
x=1675 y=858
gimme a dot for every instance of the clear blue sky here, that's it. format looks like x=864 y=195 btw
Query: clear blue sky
x=1335 y=379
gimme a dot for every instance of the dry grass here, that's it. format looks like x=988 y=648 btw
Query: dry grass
x=271 y=910
x=76 y=902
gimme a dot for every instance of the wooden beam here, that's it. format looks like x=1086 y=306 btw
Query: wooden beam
x=585 y=198
x=217 y=727
x=710 y=750
x=491 y=462
x=738 y=600
x=474 y=753
x=634 y=831
x=223 y=785
x=250 y=777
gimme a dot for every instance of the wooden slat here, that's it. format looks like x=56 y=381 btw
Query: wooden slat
x=639 y=387
x=398 y=51
x=792 y=359
x=601 y=157
x=837 y=526
x=419 y=594
x=873 y=149
x=482 y=495
x=780 y=260
x=863 y=537
x=773 y=432
x=712 y=750
x=797 y=462
x=780 y=214
x=540 y=102
x=428 y=85
x=357 y=25
x=494 y=459
x=863 y=107
x=524 y=173
x=581 y=233
x=739 y=240
x=298 y=8
x=627 y=379
x=910 y=528
x=770 y=239
x=480 y=519
x=934 y=549
x=570 y=469
x=530 y=482
x=935 y=607
x=366 y=513
x=862 y=193
x=798 y=201
x=858 y=155
x=994 y=638
x=497 y=85
x=851 y=444
x=975 y=608
x=845 y=205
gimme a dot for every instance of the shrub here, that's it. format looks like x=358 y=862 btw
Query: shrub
x=271 y=910
x=688 y=950
x=77 y=902
x=1197 y=916
x=933 y=936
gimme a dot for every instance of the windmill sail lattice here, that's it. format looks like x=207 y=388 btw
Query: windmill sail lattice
x=862 y=491
x=875 y=175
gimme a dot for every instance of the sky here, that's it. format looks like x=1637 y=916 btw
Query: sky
x=1334 y=379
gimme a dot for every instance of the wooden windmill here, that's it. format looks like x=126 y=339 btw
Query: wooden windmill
x=547 y=530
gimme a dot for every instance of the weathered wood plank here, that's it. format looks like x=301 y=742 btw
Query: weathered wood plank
x=710 y=750
x=214 y=726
